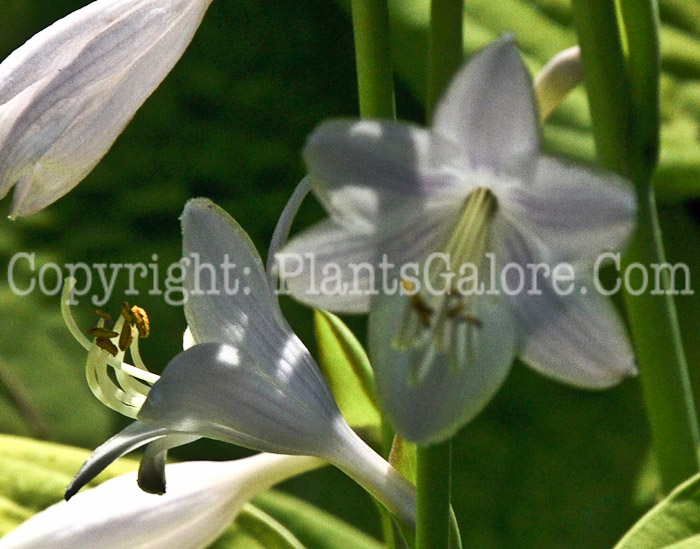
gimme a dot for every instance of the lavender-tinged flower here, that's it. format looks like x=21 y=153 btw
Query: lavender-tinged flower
x=68 y=92
x=248 y=380
x=476 y=188
x=202 y=500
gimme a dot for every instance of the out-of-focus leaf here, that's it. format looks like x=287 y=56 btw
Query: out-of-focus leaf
x=255 y=529
x=44 y=368
x=675 y=522
x=346 y=367
x=34 y=475
x=543 y=28
x=315 y=528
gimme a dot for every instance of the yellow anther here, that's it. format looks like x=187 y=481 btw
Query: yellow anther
x=143 y=325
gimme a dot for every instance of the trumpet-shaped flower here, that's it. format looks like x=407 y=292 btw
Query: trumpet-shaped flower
x=469 y=247
x=202 y=500
x=248 y=380
x=67 y=93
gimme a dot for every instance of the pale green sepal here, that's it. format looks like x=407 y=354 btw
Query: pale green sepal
x=675 y=522
x=347 y=370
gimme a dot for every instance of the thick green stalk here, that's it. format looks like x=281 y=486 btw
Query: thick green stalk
x=666 y=390
x=607 y=82
x=433 y=504
x=663 y=370
x=445 y=47
x=375 y=87
x=623 y=97
x=375 y=77
x=640 y=21
x=434 y=470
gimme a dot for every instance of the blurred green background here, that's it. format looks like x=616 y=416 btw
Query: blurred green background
x=544 y=465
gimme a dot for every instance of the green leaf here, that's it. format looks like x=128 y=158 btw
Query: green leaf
x=34 y=475
x=42 y=372
x=345 y=366
x=675 y=522
x=11 y=515
x=313 y=527
x=255 y=529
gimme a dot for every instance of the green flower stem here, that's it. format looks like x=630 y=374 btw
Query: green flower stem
x=607 y=82
x=623 y=97
x=640 y=21
x=433 y=504
x=445 y=46
x=375 y=77
x=375 y=87
x=434 y=470
x=663 y=370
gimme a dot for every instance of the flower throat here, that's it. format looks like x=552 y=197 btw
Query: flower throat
x=434 y=319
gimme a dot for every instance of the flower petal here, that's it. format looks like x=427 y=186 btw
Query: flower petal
x=151 y=475
x=577 y=212
x=202 y=500
x=217 y=391
x=383 y=155
x=489 y=108
x=340 y=268
x=577 y=339
x=134 y=436
x=69 y=91
x=459 y=383
x=278 y=405
x=248 y=318
x=569 y=330
x=229 y=299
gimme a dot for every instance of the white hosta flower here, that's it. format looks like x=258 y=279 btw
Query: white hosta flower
x=444 y=329
x=202 y=500
x=248 y=380
x=68 y=92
